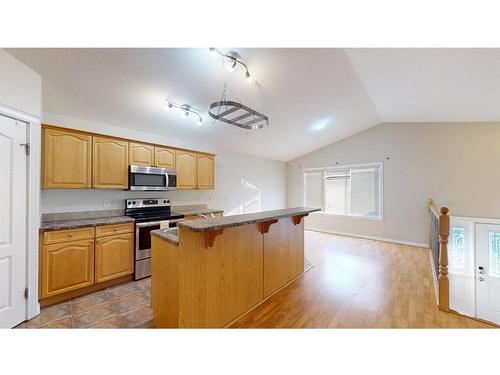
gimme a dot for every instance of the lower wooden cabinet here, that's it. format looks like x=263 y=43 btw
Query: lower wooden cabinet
x=114 y=257
x=72 y=259
x=66 y=266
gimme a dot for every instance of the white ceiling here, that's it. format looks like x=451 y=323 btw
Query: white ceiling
x=313 y=97
x=431 y=85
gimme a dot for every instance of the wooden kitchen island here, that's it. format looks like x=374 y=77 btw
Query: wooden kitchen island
x=212 y=271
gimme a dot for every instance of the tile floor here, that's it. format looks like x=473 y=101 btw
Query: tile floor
x=122 y=306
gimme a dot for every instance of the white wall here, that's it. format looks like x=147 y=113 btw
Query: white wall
x=20 y=87
x=458 y=165
x=243 y=183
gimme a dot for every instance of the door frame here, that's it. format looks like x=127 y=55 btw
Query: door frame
x=32 y=205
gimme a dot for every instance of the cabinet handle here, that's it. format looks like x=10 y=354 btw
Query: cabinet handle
x=72 y=235
x=116 y=229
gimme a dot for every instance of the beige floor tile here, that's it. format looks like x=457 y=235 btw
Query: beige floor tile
x=147 y=324
x=111 y=322
x=130 y=301
x=65 y=322
x=88 y=302
x=95 y=315
x=122 y=290
x=137 y=316
x=144 y=283
x=49 y=315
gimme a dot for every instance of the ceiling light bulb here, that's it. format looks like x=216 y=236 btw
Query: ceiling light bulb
x=200 y=120
x=213 y=53
x=248 y=77
x=168 y=107
x=186 y=113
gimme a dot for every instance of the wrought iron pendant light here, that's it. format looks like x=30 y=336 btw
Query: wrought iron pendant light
x=237 y=114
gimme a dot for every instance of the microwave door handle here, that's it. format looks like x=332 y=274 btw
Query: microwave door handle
x=166 y=180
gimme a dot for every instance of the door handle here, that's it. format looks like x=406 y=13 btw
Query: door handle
x=481 y=279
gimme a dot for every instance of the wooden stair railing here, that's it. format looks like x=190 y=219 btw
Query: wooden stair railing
x=442 y=235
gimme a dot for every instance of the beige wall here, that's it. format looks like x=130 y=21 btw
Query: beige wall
x=458 y=165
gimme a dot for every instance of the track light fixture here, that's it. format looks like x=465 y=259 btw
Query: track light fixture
x=231 y=59
x=186 y=108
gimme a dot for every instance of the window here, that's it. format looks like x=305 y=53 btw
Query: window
x=457 y=247
x=494 y=250
x=354 y=190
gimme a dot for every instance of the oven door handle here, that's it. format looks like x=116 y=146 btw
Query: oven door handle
x=148 y=224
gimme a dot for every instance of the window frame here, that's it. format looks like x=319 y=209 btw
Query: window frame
x=379 y=165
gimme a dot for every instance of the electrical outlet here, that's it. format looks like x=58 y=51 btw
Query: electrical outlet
x=107 y=204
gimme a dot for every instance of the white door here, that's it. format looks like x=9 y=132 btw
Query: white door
x=488 y=272
x=12 y=222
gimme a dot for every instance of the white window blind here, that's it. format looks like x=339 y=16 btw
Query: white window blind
x=348 y=190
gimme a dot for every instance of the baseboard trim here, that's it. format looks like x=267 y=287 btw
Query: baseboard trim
x=416 y=244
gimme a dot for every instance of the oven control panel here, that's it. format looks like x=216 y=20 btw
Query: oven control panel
x=150 y=202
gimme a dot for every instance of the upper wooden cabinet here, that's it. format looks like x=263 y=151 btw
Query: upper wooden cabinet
x=141 y=154
x=80 y=160
x=185 y=162
x=110 y=163
x=66 y=159
x=164 y=157
x=205 y=171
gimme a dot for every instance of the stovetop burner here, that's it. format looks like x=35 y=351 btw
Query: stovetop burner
x=150 y=209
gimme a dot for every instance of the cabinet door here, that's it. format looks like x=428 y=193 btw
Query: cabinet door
x=110 y=163
x=186 y=169
x=141 y=154
x=205 y=171
x=66 y=159
x=114 y=257
x=67 y=266
x=164 y=157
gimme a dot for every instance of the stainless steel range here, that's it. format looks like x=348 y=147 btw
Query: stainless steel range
x=149 y=214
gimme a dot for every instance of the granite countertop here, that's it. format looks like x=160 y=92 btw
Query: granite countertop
x=204 y=225
x=80 y=223
x=206 y=211
x=169 y=234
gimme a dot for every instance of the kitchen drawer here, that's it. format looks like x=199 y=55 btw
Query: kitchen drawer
x=109 y=230
x=59 y=236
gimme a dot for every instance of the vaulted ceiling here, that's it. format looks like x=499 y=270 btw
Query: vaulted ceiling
x=313 y=97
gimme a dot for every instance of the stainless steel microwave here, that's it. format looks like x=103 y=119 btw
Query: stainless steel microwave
x=151 y=178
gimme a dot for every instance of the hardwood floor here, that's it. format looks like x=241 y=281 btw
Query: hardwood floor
x=357 y=283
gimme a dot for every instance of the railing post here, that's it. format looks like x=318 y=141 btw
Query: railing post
x=444 y=284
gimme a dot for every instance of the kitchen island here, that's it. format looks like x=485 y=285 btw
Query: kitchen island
x=207 y=273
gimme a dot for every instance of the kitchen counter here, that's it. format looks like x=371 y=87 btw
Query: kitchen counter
x=198 y=211
x=80 y=223
x=169 y=234
x=204 y=225
x=207 y=272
